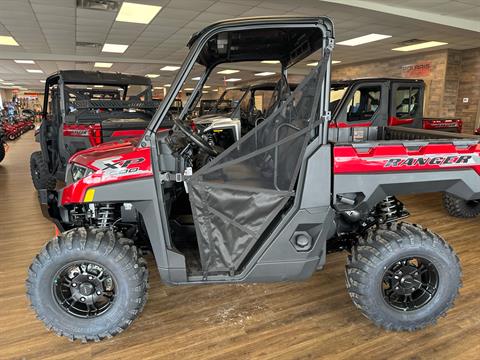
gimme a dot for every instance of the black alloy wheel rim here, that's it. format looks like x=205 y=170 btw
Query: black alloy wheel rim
x=410 y=283
x=84 y=289
x=473 y=203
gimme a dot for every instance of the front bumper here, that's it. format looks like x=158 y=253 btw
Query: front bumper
x=51 y=208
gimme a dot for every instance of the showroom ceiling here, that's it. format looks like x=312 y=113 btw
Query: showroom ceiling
x=57 y=34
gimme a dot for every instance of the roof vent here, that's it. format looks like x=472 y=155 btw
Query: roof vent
x=88 y=44
x=103 y=5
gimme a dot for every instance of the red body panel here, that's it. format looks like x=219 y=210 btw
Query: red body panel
x=441 y=124
x=391 y=158
x=112 y=162
x=394 y=121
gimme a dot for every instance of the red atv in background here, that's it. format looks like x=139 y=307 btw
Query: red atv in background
x=85 y=108
x=267 y=208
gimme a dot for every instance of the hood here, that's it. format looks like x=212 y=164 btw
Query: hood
x=210 y=118
x=106 y=150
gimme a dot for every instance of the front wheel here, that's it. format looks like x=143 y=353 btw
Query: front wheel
x=88 y=284
x=41 y=177
x=403 y=277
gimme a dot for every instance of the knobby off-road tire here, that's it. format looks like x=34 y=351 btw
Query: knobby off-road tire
x=118 y=259
x=41 y=177
x=2 y=151
x=460 y=208
x=377 y=259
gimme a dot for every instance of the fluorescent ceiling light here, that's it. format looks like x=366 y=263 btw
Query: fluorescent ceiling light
x=204 y=92
x=114 y=48
x=137 y=13
x=270 y=61
x=167 y=85
x=158 y=87
x=228 y=72
x=265 y=73
x=233 y=79
x=8 y=40
x=98 y=86
x=153 y=76
x=424 y=45
x=1 y=80
x=196 y=78
x=316 y=63
x=24 y=61
x=188 y=89
x=170 y=68
x=215 y=90
x=103 y=65
x=364 y=39
x=8 y=83
x=43 y=81
x=336 y=61
x=35 y=71
x=206 y=87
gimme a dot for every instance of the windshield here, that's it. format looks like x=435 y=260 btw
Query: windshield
x=336 y=95
x=229 y=101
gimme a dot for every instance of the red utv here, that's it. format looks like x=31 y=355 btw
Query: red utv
x=83 y=109
x=268 y=208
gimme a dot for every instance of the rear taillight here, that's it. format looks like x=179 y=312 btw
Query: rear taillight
x=93 y=132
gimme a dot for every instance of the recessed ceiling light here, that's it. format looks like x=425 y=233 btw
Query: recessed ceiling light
x=24 y=61
x=364 y=39
x=196 y=78
x=43 y=81
x=137 y=13
x=233 y=79
x=265 y=73
x=188 y=89
x=167 y=85
x=114 y=48
x=8 y=40
x=89 y=88
x=215 y=90
x=228 y=72
x=170 y=68
x=98 y=86
x=336 y=61
x=313 y=63
x=271 y=62
x=103 y=65
x=153 y=76
x=35 y=71
x=204 y=92
x=206 y=87
x=423 y=45
x=158 y=88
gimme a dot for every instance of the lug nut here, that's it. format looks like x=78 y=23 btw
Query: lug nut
x=90 y=277
x=99 y=293
x=397 y=288
x=82 y=299
x=74 y=285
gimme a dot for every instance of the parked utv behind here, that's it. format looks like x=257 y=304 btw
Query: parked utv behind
x=265 y=209
x=85 y=108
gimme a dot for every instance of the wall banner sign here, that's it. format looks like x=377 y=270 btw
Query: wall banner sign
x=419 y=69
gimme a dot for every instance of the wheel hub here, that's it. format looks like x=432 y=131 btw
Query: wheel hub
x=84 y=290
x=410 y=283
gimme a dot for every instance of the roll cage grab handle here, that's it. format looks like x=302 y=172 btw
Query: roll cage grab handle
x=328 y=44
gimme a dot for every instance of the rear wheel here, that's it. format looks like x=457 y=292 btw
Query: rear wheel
x=88 y=284
x=2 y=150
x=403 y=277
x=459 y=207
x=41 y=177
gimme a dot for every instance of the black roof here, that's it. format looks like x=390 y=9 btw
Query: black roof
x=261 y=38
x=97 y=77
x=371 y=79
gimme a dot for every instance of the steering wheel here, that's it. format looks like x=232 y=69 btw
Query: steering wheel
x=197 y=140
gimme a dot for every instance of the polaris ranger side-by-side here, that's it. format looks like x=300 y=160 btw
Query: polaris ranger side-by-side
x=267 y=208
x=85 y=108
x=384 y=102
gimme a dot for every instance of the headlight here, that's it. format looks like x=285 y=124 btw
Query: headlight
x=79 y=172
